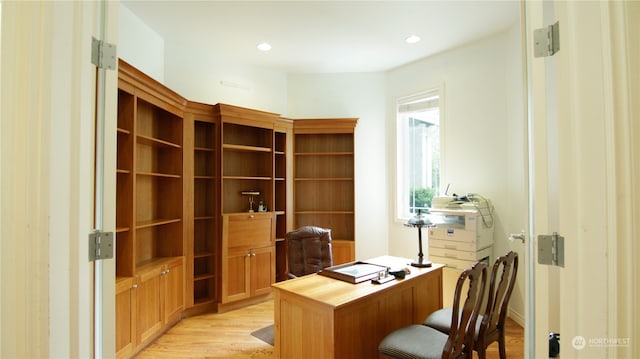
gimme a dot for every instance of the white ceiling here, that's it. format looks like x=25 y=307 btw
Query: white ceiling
x=325 y=36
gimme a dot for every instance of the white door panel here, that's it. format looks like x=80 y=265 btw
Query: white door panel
x=578 y=166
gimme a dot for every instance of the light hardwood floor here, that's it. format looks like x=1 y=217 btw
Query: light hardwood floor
x=228 y=335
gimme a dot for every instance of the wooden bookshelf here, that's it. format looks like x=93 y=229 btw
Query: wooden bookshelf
x=203 y=240
x=149 y=210
x=248 y=165
x=283 y=192
x=324 y=180
x=187 y=241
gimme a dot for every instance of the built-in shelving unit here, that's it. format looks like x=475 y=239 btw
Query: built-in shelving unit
x=149 y=181
x=124 y=185
x=247 y=166
x=324 y=180
x=149 y=210
x=203 y=254
x=125 y=264
x=248 y=161
x=158 y=183
x=283 y=193
x=188 y=240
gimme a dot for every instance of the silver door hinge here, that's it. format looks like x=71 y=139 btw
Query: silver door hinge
x=103 y=54
x=546 y=41
x=551 y=249
x=100 y=245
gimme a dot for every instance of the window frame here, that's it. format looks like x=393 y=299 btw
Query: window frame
x=399 y=199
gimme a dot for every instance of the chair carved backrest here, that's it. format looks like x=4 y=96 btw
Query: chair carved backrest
x=465 y=312
x=308 y=250
x=499 y=293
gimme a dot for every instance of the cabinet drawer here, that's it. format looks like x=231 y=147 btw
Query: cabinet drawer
x=454 y=263
x=452 y=253
x=453 y=234
x=458 y=255
x=248 y=230
x=451 y=262
x=453 y=245
x=463 y=255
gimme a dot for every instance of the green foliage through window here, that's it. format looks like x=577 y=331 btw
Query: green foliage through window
x=420 y=198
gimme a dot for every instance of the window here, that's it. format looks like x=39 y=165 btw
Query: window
x=418 y=151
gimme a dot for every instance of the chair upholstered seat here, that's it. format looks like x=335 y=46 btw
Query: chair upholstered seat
x=440 y=320
x=417 y=342
x=489 y=326
x=422 y=342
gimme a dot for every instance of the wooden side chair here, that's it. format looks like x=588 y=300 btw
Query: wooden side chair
x=422 y=342
x=490 y=327
x=308 y=250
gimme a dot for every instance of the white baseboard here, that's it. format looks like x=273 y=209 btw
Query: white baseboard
x=517 y=317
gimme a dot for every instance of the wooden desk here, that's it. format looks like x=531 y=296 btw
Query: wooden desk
x=321 y=317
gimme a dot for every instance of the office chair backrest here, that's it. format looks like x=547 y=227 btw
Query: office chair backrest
x=308 y=250
x=500 y=292
x=465 y=312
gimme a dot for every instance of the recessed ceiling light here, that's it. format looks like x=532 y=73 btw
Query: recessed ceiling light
x=412 y=39
x=264 y=46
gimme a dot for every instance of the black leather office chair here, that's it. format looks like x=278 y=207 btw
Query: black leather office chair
x=490 y=326
x=308 y=250
x=419 y=341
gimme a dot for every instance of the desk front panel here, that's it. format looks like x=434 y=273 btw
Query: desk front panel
x=328 y=318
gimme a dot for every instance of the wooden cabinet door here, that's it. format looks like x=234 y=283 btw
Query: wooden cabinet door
x=241 y=233
x=263 y=270
x=125 y=317
x=149 y=318
x=236 y=283
x=249 y=230
x=173 y=291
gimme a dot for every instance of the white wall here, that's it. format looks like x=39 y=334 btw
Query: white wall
x=516 y=204
x=140 y=45
x=358 y=95
x=482 y=148
x=198 y=75
x=474 y=123
x=202 y=77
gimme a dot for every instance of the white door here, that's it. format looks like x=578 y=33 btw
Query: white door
x=582 y=101
x=47 y=106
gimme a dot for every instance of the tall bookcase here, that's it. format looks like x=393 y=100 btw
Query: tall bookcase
x=249 y=159
x=149 y=210
x=186 y=240
x=126 y=283
x=324 y=180
x=283 y=193
x=202 y=207
x=125 y=226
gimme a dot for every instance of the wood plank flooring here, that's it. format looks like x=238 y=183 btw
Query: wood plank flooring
x=228 y=335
